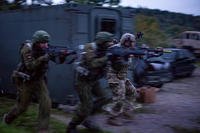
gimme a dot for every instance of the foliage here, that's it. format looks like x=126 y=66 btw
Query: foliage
x=149 y=26
x=4 y=5
x=10 y=129
x=160 y=27
x=167 y=19
x=27 y=122
x=18 y=4
x=95 y=2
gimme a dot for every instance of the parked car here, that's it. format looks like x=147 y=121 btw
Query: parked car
x=150 y=73
x=155 y=71
x=181 y=61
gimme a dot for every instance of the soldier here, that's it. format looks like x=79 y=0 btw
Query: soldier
x=89 y=71
x=30 y=79
x=122 y=88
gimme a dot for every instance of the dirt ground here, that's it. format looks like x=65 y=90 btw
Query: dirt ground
x=176 y=110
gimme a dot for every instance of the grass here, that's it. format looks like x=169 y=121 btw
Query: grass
x=11 y=129
x=23 y=124
x=27 y=122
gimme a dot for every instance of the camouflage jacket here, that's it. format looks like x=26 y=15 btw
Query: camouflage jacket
x=119 y=65
x=95 y=63
x=35 y=67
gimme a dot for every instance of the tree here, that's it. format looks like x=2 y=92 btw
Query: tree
x=4 y=5
x=149 y=26
x=40 y=2
x=95 y=2
x=17 y=4
x=114 y=2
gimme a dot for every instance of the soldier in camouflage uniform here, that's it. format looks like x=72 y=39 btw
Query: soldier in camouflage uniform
x=122 y=88
x=89 y=71
x=34 y=63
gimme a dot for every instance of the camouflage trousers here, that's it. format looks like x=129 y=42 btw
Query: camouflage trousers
x=25 y=92
x=124 y=94
x=88 y=91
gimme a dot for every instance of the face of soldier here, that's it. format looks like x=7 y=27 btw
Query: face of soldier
x=43 y=45
x=129 y=44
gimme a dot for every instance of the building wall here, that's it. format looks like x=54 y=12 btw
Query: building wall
x=68 y=25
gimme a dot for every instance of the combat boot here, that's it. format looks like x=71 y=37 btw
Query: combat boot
x=128 y=115
x=91 y=125
x=71 y=128
x=114 y=121
x=6 y=119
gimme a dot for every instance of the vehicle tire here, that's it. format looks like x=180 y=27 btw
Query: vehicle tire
x=188 y=74
x=171 y=73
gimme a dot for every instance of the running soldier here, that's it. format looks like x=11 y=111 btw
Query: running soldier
x=91 y=68
x=123 y=90
x=30 y=79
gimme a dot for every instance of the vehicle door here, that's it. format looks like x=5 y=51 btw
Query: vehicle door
x=183 y=63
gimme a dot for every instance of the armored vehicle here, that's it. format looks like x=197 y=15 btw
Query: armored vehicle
x=69 y=25
x=189 y=40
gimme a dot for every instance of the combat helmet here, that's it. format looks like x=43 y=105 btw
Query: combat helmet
x=40 y=36
x=103 y=36
x=126 y=37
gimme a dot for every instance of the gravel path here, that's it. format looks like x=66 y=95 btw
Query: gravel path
x=177 y=106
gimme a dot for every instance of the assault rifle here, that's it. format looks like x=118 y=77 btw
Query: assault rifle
x=60 y=51
x=116 y=52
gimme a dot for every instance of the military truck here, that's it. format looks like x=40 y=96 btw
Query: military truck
x=69 y=25
x=189 y=40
